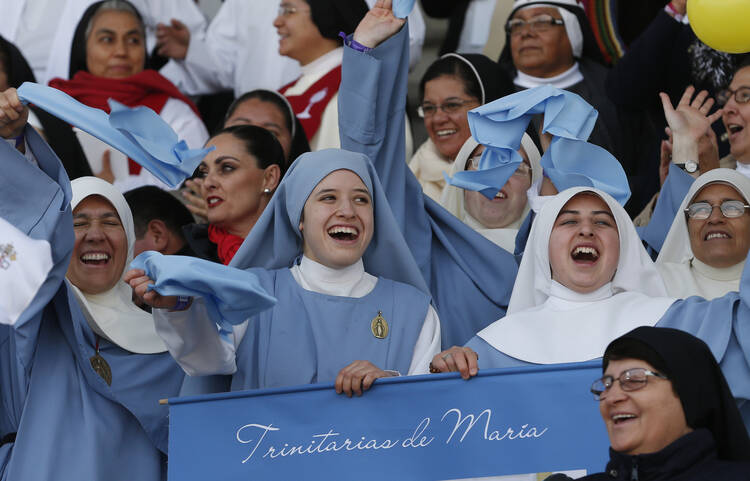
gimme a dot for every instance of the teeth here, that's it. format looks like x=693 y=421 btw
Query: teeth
x=586 y=250
x=734 y=128
x=95 y=257
x=619 y=417
x=501 y=195
x=213 y=200
x=343 y=230
x=717 y=235
x=442 y=133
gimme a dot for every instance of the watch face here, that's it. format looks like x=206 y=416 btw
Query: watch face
x=691 y=166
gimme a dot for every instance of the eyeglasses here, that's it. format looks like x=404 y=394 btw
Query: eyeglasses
x=523 y=169
x=542 y=23
x=741 y=95
x=630 y=380
x=450 y=107
x=286 y=10
x=729 y=209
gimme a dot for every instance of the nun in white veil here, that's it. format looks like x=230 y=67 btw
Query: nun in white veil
x=501 y=229
x=567 y=306
x=687 y=273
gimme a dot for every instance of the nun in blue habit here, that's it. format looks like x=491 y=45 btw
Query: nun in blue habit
x=328 y=248
x=470 y=278
x=75 y=405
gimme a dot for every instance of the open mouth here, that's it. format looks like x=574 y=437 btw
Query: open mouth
x=622 y=418
x=734 y=128
x=500 y=195
x=585 y=254
x=95 y=258
x=445 y=133
x=716 y=235
x=214 y=201
x=343 y=233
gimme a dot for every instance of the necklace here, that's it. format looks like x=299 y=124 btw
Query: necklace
x=100 y=365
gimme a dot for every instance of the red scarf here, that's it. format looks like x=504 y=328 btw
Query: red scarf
x=226 y=243
x=310 y=114
x=148 y=88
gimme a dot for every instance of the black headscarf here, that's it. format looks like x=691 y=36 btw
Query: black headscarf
x=58 y=133
x=492 y=80
x=697 y=379
x=590 y=47
x=78 y=46
x=334 y=16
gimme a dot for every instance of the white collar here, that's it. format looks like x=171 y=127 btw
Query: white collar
x=731 y=273
x=743 y=169
x=350 y=281
x=564 y=80
x=559 y=291
x=325 y=63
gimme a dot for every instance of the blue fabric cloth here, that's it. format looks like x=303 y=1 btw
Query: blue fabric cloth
x=570 y=161
x=231 y=295
x=70 y=424
x=275 y=240
x=469 y=277
x=138 y=133
x=402 y=8
x=674 y=190
x=310 y=337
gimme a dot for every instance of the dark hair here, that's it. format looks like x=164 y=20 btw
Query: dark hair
x=334 y=16
x=149 y=202
x=260 y=143
x=454 y=66
x=83 y=29
x=300 y=145
x=628 y=348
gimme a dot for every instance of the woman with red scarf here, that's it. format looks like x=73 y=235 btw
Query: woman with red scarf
x=239 y=178
x=108 y=60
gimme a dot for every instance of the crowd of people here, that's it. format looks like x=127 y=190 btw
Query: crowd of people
x=563 y=208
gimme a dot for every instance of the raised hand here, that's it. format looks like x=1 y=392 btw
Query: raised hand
x=139 y=281
x=13 y=114
x=690 y=119
x=172 y=40
x=378 y=25
x=358 y=377
x=193 y=195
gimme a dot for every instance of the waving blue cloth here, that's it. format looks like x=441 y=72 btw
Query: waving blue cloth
x=402 y=8
x=138 y=133
x=570 y=161
x=231 y=295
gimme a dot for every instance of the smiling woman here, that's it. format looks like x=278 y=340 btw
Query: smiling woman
x=352 y=302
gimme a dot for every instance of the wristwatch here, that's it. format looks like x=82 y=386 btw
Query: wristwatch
x=690 y=166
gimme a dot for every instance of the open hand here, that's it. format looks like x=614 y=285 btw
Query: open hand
x=690 y=119
x=193 y=195
x=378 y=25
x=358 y=377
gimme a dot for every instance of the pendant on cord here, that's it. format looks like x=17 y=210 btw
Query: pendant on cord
x=100 y=365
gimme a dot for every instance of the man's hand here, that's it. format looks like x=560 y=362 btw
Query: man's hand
x=378 y=25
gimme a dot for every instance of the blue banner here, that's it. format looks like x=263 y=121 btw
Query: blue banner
x=433 y=427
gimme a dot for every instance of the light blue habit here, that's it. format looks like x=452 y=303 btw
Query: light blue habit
x=70 y=424
x=308 y=337
x=470 y=278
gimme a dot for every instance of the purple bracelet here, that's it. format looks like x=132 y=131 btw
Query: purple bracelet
x=353 y=44
x=182 y=303
x=18 y=140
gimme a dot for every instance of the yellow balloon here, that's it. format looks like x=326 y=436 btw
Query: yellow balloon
x=721 y=24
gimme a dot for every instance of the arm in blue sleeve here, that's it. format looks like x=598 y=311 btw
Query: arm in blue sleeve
x=672 y=193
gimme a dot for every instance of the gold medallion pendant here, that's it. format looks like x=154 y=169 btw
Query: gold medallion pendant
x=101 y=367
x=379 y=326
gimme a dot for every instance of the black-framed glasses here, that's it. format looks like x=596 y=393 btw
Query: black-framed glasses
x=449 y=107
x=741 y=95
x=729 y=209
x=539 y=23
x=630 y=380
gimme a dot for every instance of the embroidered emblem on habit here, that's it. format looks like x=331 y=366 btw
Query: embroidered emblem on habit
x=379 y=326
x=316 y=97
x=7 y=255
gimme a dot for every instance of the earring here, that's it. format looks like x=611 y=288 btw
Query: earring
x=266 y=190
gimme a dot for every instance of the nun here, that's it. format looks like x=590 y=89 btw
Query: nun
x=498 y=219
x=352 y=306
x=585 y=280
x=81 y=362
x=668 y=410
x=705 y=250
